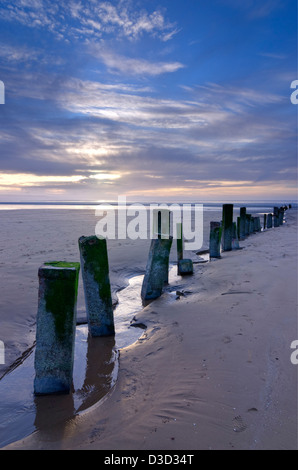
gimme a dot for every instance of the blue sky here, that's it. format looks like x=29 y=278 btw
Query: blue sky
x=156 y=100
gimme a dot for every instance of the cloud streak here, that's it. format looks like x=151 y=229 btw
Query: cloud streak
x=98 y=103
x=88 y=18
x=132 y=66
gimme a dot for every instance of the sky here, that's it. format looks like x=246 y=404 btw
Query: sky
x=164 y=100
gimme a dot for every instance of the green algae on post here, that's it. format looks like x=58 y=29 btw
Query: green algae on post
x=55 y=330
x=97 y=288
x=157 y=268
x=214 y=240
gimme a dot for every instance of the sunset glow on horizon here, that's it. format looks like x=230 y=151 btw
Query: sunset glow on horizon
x=151 y=99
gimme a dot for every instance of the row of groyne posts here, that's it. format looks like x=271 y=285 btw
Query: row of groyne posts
x=59 y=280
x=226 y=234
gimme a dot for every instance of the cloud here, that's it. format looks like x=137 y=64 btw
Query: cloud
x=131 y=66
x=272 y=55
x=256 y=9
x=76 y=19
x=112 y=127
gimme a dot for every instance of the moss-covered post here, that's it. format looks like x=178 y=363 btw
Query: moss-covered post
x=55 y=328
x=157 y=268
x=269 y=221
x=97 y=288
x=227 y=227
x=215 y=240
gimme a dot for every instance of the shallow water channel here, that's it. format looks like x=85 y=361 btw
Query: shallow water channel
x=95 y=373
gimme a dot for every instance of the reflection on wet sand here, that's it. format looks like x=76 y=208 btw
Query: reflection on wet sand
x=94 y=376
x=95 y=373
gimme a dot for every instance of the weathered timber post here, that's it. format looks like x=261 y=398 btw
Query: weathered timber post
x=276 y=216
x=161 y=223
x=161 y=228
x=252 y=225
x=157 y=268
x=265 y=222
x=179 y=242
x=235 y=240
x=97 y=288
x=242 y=223
x=227 y=227
x=257 y=225
x=269 y=221
x=281 y=216
x=185 y=266
x=247 y=224
x=55 y=328
x=215 y=240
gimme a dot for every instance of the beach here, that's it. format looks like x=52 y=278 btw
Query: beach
x=211 y=370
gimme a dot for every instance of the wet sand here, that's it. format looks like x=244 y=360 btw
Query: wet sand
x=212 y=370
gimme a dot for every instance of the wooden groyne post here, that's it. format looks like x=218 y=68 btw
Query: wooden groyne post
x=276 y=217
x=281 y=215
x=157 y=268
x=185 y=266
x=97 y=288
x=227 y=227
x=215 y=240
x=55 y=329
x=269 y=221
x=235 y=240
x=247 y=224
x=179 y=231
x=257 y=224
x=252 y=224
x=242 y=223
